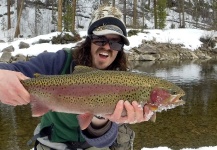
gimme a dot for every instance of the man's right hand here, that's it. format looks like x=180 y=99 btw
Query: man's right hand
x=12 y=91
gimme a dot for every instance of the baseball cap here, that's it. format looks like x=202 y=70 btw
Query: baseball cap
x=108 y=20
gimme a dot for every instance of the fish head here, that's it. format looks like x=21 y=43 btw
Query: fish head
x=166 y=97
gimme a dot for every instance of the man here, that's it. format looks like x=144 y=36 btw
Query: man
x=102 y=49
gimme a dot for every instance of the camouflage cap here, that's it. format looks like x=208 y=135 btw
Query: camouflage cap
x=108 y=20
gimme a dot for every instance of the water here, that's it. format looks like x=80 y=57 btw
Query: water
x=192 y=125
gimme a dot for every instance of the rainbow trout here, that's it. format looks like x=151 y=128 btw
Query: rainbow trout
x=96 y=92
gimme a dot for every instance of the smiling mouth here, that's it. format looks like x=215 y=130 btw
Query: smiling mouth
x=103 y=55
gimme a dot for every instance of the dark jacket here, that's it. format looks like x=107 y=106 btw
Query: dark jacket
x=52 y=64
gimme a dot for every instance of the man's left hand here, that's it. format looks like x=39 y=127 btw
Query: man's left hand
x=135 y=113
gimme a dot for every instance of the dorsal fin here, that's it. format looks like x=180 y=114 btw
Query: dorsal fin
x=37 y=75
x=83 y=69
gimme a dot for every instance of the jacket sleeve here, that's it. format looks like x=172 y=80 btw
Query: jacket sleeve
x=45 y=63
x=105 y=140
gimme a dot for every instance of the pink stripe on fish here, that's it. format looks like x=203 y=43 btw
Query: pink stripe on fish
x=85 y=90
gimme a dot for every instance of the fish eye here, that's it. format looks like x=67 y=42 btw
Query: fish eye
x=172 y=92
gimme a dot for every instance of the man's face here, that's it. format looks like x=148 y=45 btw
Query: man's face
x=103 y=56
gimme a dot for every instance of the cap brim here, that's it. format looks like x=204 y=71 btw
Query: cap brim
x=106 y=32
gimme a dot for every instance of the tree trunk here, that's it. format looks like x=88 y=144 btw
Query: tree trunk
x=125 y=11
x=180 y=16
x=73 y=15
x=183 y=14
x=17 y=31
x=155 y=14
x=9 y=13
x=134 y=13
x=113 y=3
x=143 y=13
x=18 y=12
x=149 y=4
x=59 y=24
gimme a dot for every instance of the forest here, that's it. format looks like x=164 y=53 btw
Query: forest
x=66 y=15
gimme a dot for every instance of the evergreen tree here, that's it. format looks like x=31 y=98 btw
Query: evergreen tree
x=69 y=15
x=161 y=13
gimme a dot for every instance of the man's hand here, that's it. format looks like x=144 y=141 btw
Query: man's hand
x=12 y=91
x=135 y=113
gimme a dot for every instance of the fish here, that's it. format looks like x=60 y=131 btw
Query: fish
x=89 y=91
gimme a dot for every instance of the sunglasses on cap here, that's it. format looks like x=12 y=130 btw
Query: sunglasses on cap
x=102 y=41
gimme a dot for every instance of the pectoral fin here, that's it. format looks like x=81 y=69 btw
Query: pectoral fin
x=38 y=108
x=84 y=120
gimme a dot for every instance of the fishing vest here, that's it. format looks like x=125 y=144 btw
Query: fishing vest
x=62 y=127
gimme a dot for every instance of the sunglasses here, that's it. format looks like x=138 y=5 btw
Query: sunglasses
x=102 y=41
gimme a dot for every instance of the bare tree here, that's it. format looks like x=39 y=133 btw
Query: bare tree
x=18 y=12
x=9 y=13
x=155 y=14
x=134 y=13
x=125 y=10
x=17 y=31
x=183 y=13
x=113 y=3
x=59 y=22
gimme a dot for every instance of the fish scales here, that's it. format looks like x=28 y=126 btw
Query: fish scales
x=93 y=91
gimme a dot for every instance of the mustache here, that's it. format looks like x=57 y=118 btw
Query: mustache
x=103 y=49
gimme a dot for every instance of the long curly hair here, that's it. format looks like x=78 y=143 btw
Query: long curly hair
x=82 y=56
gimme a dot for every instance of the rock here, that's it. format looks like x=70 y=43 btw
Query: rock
x=147 y=49
x=8 y=49
x=150 y=50
x=23 y=45
x=43 y=41
x=20 y=57
x=147 y=57
x=6 y=57
x=2 y=41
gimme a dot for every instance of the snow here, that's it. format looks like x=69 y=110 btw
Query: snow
x=189 y=38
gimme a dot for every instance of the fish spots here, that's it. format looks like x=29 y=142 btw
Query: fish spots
x=97 y=91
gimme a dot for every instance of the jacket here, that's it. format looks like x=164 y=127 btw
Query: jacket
x=48 y=63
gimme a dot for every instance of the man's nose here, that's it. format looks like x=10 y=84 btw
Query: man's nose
x=107 y=46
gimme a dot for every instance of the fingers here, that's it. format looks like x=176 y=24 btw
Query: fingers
x=139 y=115
x=135 y=113
x=21 y=76
x=131 y=112
x=12 y=91
x=115 y=117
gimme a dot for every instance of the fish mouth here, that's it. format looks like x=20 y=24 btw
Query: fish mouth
x=171 y=102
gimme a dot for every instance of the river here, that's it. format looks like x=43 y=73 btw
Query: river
x=192 y=125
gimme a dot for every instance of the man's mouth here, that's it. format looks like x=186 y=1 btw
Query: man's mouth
x=103 y=54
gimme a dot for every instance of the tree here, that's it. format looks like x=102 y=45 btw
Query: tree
x=214 y=15
x=73 y=15
x=134 y=13
x=38 y=18
x=17 y=31
x=9 y=13
x=125 y=10
x=113 y=3
x=155 y=15
x=143 y=13
x=59 y=22
x=181 y=14
x=69 y=15
x=161 y=13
